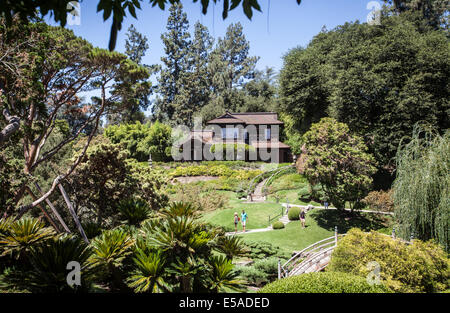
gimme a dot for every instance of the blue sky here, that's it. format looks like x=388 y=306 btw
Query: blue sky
x=270 y=33
x=281 y=26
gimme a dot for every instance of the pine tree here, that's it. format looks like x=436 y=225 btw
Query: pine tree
x=135 y=101
x=172 y=76
x=230 y=65
x=195 y=91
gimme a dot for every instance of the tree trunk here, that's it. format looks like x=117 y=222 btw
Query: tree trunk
x=53 y=209
x=48 y=217
x=72 y=212
x=11 y=128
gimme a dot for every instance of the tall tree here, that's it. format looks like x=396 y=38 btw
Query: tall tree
x=176 y=43
x=50 y=67
x=338 y=161
x=229 y=67
x=196 y=92
x=422 y=187
x=379 y=80
x=135 y=100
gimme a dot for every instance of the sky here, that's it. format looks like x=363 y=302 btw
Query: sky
x=281 y=26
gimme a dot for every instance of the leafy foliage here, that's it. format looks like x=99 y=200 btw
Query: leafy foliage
x=338 y=160
x=422 y=187
x=293 y=214
x=379 y=80
x=418 y=267
x=278 y=225
x=18 y=237
x=323 y=282
x=380 y=200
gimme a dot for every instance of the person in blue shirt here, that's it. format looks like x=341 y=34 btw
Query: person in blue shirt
x=244 y=219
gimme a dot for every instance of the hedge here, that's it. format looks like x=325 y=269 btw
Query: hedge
x=419 y=267
x=277 y=225
x=323 y=282
x=293 y=213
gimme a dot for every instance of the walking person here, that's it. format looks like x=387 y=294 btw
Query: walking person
x=302 y=217
x=244 y=218
x=236 y=221
x=325 y=204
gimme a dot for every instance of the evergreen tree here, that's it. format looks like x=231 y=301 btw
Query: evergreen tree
x=196 y=92
x=135 y=101
x=229 y=66
x=379 y=80
x=174 y=73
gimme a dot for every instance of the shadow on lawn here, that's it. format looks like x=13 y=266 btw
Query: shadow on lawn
x=328 y=219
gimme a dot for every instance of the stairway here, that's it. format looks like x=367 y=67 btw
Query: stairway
x=284 y=219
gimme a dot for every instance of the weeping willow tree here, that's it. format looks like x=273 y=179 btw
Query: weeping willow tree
x=421 y=188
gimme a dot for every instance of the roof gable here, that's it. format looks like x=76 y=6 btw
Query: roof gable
x=257 y=118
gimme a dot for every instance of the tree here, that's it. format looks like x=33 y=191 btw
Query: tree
x=196 y=91
x=379 y=80
x=48 y=68
x=59 y=9
x=435 y=12
x=141 y=140
x=229 y=66
x=158 y=142
x=422 y=186
x=338 y=161
x=173 y=75
x=136 y=99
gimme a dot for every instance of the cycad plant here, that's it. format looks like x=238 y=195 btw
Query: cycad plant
x=231 y=246
x=48 y=267
x=109 y=252
x=134 y=211
x=179 y=209
x=222 y=276
x=149 y=272
x=19 y=236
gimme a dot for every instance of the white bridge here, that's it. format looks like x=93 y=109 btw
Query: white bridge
x=313 y=258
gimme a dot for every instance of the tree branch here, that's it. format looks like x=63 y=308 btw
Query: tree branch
x=11 y=128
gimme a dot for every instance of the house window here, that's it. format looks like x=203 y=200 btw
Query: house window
x=230 y=133
x=267 y=133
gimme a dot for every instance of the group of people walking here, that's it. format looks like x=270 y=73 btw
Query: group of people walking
x=244 y=217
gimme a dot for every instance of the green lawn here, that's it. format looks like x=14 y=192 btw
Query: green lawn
x=258 y=214
x=287 y=188
x=319 y=225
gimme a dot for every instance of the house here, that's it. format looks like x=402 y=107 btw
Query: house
x=238 y=136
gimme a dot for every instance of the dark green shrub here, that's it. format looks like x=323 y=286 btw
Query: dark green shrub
x=91 y=229
x=262 y=250
x=268 y=266
x=294 y=213
x=419 y=267
x=323 y=282
x=252 y=275
x=278 y=225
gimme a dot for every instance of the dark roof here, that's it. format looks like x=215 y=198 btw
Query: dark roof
x=256 y=118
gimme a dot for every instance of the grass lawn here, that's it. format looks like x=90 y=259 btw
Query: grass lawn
x=258 y=214
x=319 y=225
